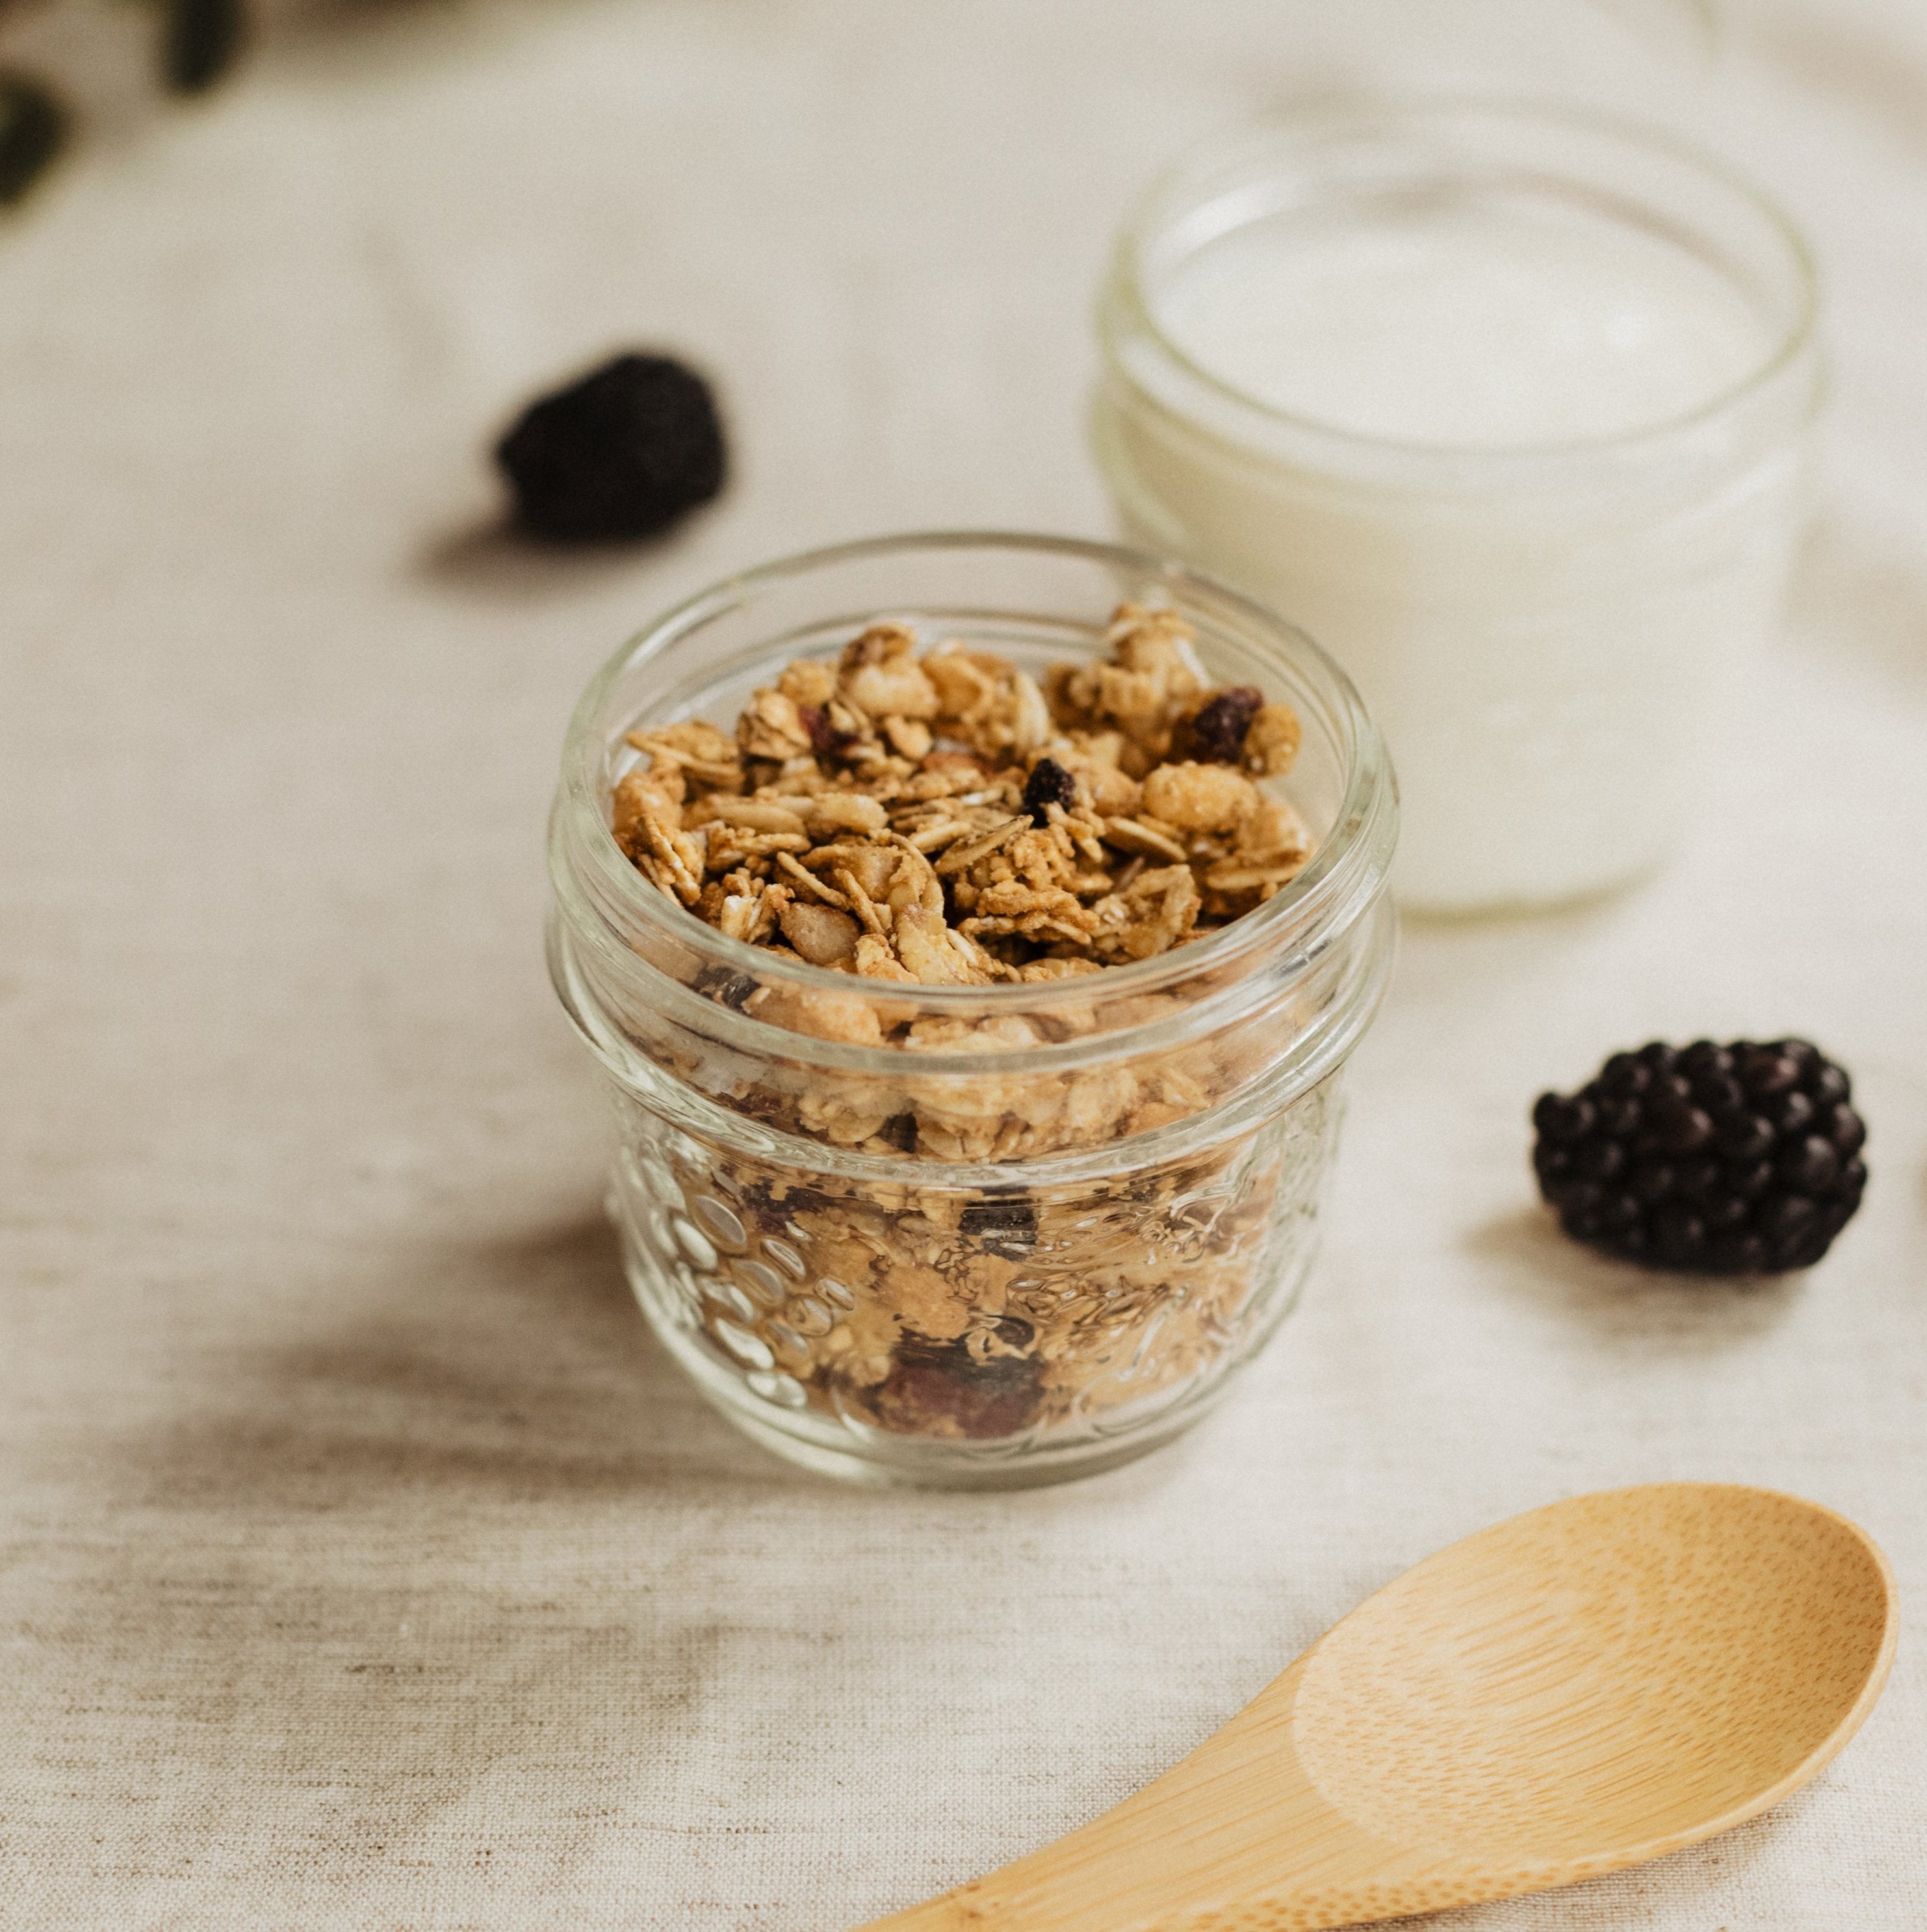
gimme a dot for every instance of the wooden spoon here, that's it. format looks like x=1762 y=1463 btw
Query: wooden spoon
x=1588 y=1685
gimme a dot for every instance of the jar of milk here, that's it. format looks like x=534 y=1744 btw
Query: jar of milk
x=1513 y=409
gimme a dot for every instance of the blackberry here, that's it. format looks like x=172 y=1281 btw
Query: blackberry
x=1736 y=1159
x=34 y=127
x=199 y=42
x=622 y=452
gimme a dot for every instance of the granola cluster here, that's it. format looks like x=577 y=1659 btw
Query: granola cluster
x=927 y=1312
x=943 y=819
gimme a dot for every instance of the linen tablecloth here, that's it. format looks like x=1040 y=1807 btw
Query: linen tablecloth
x=364 y=1563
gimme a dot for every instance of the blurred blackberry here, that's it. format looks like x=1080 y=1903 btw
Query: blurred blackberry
x=623 y=452
x=199 y=42
x=34 y=127
x=1739 y=1159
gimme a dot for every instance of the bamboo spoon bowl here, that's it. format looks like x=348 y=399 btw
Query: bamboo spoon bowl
x=1581 y=1688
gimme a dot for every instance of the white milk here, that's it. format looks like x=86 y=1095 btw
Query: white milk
x=1485 y=325
x=1509 y=445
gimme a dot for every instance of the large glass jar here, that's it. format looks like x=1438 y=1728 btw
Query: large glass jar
x=1512 y=408
x=962 y=1235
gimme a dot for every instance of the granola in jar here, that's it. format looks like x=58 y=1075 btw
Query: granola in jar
x=942 y=819
x=1031 y=1110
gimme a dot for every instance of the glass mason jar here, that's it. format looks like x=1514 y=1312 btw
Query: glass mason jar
x=1512 y=410
x=1031 y=1239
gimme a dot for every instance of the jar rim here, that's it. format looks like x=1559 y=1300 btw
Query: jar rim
x=1126 y=309
x=1345 y=875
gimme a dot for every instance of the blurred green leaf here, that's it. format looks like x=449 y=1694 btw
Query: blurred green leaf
x=199 y=41
x=33 y=126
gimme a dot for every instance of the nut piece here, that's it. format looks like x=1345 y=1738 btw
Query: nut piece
x=1200 y=798
x=1271 y=742
x=1156 y=912
x=820 y=934
x=772 y=727
x=697 y=749
x=881 y=678
x=648 y=791
x=1152 y=841
x=833 y=812
x=747 y=814
x=1030 y=716
x=807 y=682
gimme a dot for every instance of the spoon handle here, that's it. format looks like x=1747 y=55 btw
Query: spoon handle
x=1236 y=1828
x=947 y=1914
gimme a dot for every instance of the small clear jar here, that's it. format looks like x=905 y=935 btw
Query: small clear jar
x=1032 y=1240
x=1520 y=427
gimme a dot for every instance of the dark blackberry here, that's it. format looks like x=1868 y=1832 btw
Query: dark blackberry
x=1743 y=1158
x=199 y=41
x=34 y=127
x=622 y=452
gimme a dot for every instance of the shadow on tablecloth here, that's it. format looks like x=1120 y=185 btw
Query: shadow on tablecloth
x=452 y=1375
x=1632 y=1310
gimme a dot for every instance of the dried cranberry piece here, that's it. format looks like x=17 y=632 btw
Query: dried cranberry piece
x=726 y=987
x=1048 y=785
x=1005 y=1227
x=935 y=1381
x=1215 y=734
x=825 y=740
x=759 y=1202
